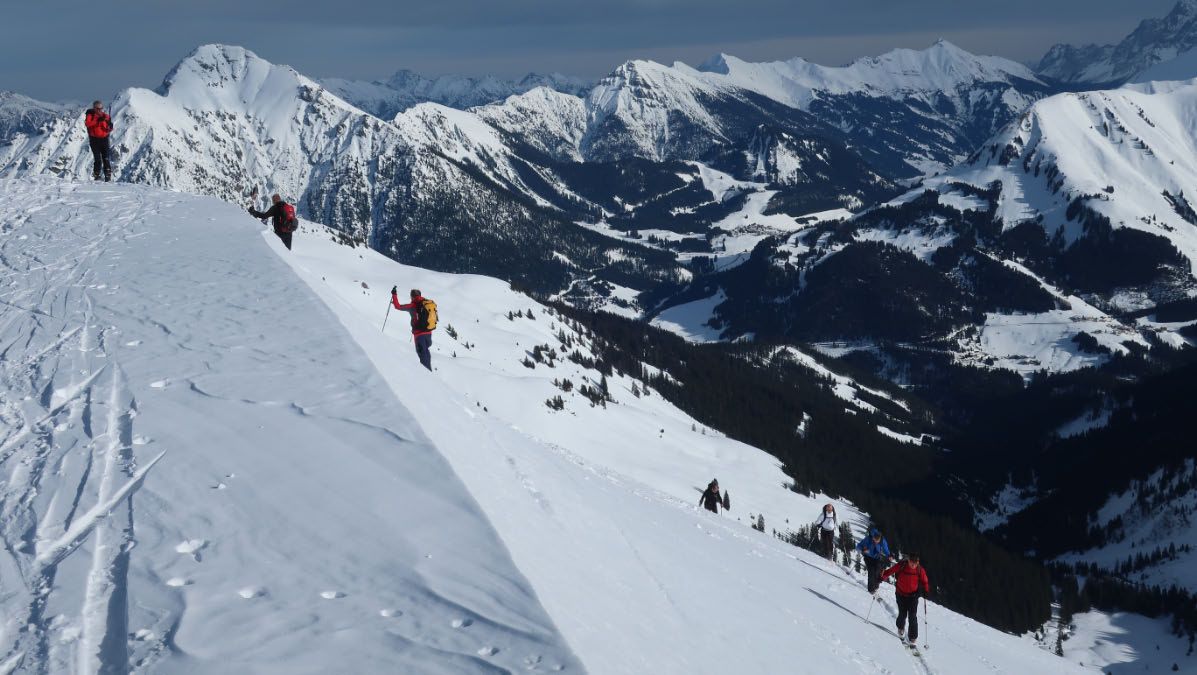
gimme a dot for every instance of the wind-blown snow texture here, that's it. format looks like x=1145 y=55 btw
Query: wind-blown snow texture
x=203 y=473
x=326 y=505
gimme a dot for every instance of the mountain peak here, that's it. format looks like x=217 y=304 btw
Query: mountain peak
x=212 y=65
x=228 y=77
x=719 y=63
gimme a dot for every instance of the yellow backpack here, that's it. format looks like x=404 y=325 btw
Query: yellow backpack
x=426 y=315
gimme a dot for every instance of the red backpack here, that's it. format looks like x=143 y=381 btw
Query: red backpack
x=289 y=223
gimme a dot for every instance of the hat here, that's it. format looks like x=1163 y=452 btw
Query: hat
x=874 y=532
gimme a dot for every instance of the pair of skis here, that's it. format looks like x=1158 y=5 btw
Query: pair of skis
x=911 y=645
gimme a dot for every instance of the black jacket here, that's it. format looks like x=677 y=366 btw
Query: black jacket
x=274 y=213
x=711 y=500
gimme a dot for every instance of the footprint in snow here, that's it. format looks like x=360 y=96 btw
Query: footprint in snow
x=331 y=595
x=389 y=613
x=251 y=592
x=220 y=486
x=178 y=582
x=141 y=440
x=142 y=635
x=192 y=547
x=159 y=384
x=133 y=343
x=488 y=651
x=462 y=623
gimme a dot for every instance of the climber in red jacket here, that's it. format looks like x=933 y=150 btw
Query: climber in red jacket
x=99 y=125
x=910 y=582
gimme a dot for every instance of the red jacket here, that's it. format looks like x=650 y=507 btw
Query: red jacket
x=99 y=125
x=909 y=579
x=411 y=309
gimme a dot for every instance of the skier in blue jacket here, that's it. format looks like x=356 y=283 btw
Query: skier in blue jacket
x=875 y=550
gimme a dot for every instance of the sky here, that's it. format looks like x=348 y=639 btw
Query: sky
x=71 y=50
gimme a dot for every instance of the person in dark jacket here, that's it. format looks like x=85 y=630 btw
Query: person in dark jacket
x=910 y=583
x=875 y=550
x=828 y=524
x=710 y=499
x=422 y=335
x=281 y=217
x=99 y=125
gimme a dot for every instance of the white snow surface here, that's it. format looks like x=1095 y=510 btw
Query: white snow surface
x=194 y=451
x=1121 y=148
x=691 y=320
x=326 y=505
x=1121 y=643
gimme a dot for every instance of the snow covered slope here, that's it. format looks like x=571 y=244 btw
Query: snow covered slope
x=203 y=473
x=224 y=121
x=326 y=505
x=910 y=111
x=1082 y=211
x=23 y=115
x=1124 y=154
x=615 y=488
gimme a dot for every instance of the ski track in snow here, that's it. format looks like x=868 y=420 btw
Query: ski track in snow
x=53 y=397
x=118 y=557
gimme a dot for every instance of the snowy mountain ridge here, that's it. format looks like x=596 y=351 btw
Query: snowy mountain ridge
x=320 y=490
x=404 y=89
x=1154 y=41
x=942 y=67
x=23 y=115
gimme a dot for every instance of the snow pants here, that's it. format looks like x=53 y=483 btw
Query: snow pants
x=828 y=540
x=99 y=155
x=286 y=237
x=423 y=349
x=908 y=605
x=873 y=566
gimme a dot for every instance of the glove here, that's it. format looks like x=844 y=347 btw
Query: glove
x=394 y=290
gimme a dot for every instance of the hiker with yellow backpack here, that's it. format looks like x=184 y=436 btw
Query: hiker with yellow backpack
x=423 y=322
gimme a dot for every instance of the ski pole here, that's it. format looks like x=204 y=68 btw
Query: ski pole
x=926 y=626
x=388 y=316
x=871 y=603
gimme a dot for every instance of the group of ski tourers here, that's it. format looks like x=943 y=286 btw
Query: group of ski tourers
x=282 y=218
x=910 y=579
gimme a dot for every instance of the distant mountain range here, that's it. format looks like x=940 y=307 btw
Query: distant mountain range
x=404 y=89
x=950 y=222
x=1154 y=42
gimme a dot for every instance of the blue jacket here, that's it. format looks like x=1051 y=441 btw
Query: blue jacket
x=879 y=550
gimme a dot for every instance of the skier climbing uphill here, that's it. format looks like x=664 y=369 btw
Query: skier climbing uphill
x=827 y=523
x=99 y=125
x=875 y=550
x=910 y=582
x=282 y=215
x=423 y=322
x=710 y=499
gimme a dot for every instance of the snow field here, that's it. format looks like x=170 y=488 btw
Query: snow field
x=199 y=471
x=598 y=505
